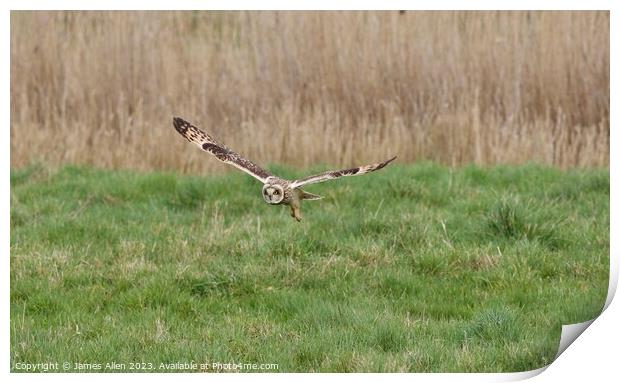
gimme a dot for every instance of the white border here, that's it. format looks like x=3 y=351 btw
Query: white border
x=589 y=357
x=310 y=4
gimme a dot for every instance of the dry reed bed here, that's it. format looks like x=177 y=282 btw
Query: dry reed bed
x=302 y=88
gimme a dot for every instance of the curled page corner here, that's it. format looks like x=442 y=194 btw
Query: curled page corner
x=570 y=332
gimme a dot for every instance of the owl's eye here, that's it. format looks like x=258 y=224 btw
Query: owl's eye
x=276 y=192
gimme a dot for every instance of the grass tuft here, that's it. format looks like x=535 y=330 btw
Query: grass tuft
x=493 y=325
x=512 y=220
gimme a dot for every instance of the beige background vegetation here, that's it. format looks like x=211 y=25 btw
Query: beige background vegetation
x=301 y=88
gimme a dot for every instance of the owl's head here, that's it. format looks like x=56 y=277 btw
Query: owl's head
x=273 y=193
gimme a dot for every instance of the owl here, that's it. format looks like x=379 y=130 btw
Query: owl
x=276 y=191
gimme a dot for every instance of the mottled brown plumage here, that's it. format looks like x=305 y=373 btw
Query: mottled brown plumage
x=333 y=174
x=276 y=191
x=221 y=152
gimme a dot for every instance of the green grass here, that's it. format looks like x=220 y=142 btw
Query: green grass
x=413 y=268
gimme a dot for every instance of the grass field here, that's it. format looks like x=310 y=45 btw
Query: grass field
x=413 y=268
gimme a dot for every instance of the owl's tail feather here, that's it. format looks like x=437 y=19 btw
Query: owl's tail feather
x=309 y=196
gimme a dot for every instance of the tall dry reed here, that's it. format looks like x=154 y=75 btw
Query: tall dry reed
x=302 y=88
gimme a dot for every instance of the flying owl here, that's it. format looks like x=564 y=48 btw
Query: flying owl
x=276 y=191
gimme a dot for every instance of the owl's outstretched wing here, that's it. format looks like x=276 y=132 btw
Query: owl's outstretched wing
x=340 y=173
x=221 y=152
